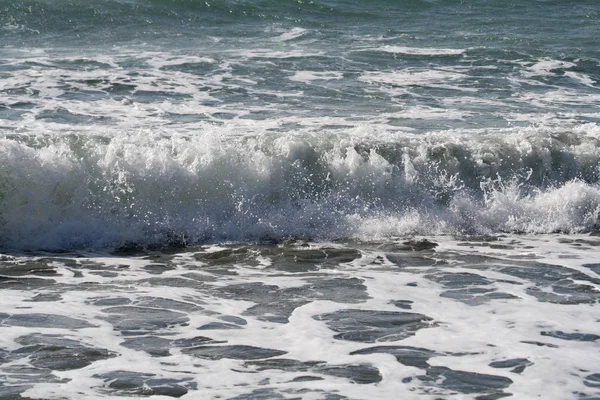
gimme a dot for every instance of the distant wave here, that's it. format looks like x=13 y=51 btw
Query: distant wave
x=77 y=191
x=85 y=17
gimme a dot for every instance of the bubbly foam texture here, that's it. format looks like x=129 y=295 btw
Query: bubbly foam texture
x=243 y=141
x=132 y=87
x=242 y=199
x=430 y=77
x=309 y=76
x=471 y=318
x=149 y=187
x=547 y=67
x=422 y=51
x=292 y=34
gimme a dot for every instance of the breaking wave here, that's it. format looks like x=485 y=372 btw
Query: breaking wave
x=149 y=188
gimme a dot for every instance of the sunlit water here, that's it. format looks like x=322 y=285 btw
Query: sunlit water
x=281 y=200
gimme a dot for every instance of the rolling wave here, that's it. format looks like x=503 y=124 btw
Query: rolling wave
x=78 y=191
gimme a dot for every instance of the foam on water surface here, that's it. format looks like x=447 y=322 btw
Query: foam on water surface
x=422 y=51
x=474 y=317
x=155 y=188
x=242 y=199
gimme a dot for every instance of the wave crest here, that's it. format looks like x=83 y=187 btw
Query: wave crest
x=82 y=191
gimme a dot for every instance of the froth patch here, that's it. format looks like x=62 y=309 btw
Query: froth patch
x=422 y=51
x=546 y=67
x=414 y=77
x=473 y=316
x=292 y=34
x=309 y=76
x=155 y=189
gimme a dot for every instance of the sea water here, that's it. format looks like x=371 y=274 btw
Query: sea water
x=332 y=199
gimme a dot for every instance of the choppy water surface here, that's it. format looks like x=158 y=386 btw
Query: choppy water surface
x=246 y=199
x=481 y=318
x=137 y=121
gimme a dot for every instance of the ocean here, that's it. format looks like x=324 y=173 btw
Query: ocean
x=299 y=199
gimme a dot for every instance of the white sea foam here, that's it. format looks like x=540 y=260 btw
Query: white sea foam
x=277 y=54
x=309 y=76
x=582 y=78
x=413 y=77
x=424 y=112
x=234 y=198
x=546 y=66
x=538 y=309
x=74 y=190
x=421 y=51
x=292 y=34
x=153 y=146
x=151 y=88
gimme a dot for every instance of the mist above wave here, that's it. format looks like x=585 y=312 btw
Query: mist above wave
x=151 y=187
